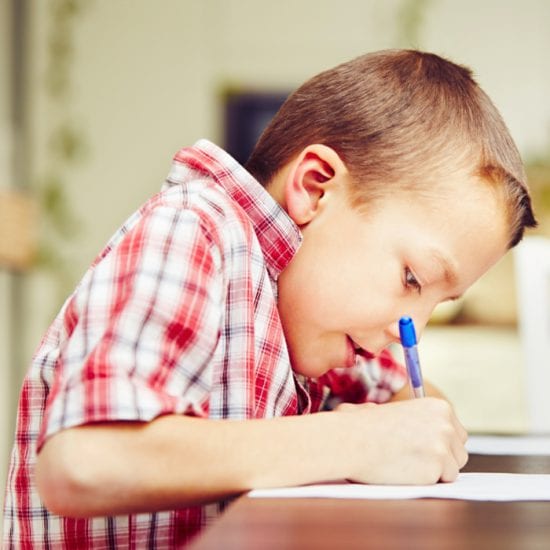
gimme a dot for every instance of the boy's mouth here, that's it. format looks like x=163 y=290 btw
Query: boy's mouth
x=358 y=350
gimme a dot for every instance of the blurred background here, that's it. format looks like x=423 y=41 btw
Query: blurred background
x=96 y=96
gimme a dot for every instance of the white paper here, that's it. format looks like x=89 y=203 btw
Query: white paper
x=468 y=486
x=508 y=445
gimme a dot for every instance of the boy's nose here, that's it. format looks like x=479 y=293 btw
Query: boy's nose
x=393 y=331
x=420 y=322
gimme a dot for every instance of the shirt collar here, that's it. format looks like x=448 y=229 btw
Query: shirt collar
x=278 y=235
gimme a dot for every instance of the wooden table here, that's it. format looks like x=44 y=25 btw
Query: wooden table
x=302 y=524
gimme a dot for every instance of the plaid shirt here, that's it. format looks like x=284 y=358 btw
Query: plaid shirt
x=177 y=315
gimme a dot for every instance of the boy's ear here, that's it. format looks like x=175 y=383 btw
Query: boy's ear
x=310 y=175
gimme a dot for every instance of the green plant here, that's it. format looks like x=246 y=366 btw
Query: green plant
x=410 y=19
x=538 y=175
x=66 y=143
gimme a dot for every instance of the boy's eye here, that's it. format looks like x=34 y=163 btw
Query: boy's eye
x=411 y=281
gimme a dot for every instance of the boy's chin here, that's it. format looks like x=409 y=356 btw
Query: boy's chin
x=310 y=369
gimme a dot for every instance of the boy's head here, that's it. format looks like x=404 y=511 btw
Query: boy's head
x=407 y=187
x=399 y=119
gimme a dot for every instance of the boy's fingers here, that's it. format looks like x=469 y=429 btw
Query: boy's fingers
x=460 y=430
x=462 y=433
x=457 y=444
x=450 y=472
x=460 y=454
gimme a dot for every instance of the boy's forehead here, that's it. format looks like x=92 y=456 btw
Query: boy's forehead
x=457 y=191
x=451 y=178
x=463 y=209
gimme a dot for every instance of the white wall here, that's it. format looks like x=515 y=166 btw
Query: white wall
x=507 y=43
x=5 y=180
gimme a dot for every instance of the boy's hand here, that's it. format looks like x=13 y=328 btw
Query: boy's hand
x=405 y=392
x=419 y=441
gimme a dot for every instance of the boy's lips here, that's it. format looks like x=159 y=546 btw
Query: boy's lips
x=350 y=357
x=366 y=354
x=354 y=350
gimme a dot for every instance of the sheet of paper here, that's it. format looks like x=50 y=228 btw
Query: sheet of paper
x=468 y=486
x=508 y=445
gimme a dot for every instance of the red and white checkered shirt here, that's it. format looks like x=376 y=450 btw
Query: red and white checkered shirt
x=177 y=315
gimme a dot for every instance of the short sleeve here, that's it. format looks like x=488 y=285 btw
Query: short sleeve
x=142 y=327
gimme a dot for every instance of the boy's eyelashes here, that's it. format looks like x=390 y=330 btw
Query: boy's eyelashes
x=411 y=282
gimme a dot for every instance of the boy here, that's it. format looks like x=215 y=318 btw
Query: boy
x=181 y=370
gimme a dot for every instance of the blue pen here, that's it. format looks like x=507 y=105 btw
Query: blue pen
x=408 y=341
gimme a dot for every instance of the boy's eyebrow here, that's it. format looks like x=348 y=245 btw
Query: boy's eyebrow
x=449 y=270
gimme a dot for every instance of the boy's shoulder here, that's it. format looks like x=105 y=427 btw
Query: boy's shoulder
x=204 y=198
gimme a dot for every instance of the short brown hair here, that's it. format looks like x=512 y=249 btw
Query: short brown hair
x=400 y=117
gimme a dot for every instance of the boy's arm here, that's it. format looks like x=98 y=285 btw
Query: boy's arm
x=177 y=461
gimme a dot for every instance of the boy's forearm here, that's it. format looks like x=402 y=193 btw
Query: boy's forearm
x=177 y=461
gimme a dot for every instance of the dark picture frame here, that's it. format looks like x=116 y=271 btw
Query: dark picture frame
x=246 y=116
